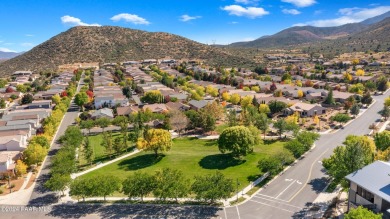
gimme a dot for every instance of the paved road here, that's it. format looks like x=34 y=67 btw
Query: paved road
x=299 y=186
x=40 y=195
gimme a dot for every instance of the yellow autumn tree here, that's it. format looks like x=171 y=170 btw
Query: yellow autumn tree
x=246 y=101
x=360 y=72
x=316 y=120
x=212 y=91
x=347 y=76
x=355 y=62
x=21 y=168
x=255 y=89
x=155 y=140
x=300 y=94
x=226 y=97
x=264 y=108
x=298 y=83
x=235 y=99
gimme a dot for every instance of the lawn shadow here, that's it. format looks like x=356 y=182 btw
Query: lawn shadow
x=210 y=143
x=254 y=177
x=269 y=141
x=220 y=161
x=140 y=162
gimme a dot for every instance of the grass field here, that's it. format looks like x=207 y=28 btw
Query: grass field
x=194 y=157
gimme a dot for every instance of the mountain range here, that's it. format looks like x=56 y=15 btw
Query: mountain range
x=115 y=44
x=9 y=55
x=301 y=35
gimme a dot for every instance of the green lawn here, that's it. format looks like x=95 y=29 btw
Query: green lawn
x=221 y=127
x=99 y=150
x=194 y=157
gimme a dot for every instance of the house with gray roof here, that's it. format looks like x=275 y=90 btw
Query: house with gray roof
x=370 y=187
x=103 y=113
x=199 y=104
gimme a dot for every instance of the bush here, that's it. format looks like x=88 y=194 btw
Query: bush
x=1 y=191
x=12 y=185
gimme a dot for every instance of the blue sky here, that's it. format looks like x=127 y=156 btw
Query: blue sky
x=27 y=23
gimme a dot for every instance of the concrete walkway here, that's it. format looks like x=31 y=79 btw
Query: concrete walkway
x=75 y=175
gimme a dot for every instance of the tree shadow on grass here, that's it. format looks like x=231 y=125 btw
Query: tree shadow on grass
x=220 y=161
x=269 y=141
x=140 y=162
x=210 y=143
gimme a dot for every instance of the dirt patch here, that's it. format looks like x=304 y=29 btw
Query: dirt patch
x=31 y=181
x=17 y=182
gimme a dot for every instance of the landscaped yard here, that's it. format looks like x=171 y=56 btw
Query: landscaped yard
x=194 y=157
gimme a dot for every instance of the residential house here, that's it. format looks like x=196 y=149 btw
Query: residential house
x=13 y=143
x=177 y=106
x=126 y=110
x=47 y=95
x=155 y=108
x=7 y=160
x=341 y=97
x=199 y=104
x=370 y=187
x=103 y=113
x=305 y=109
x=36 y=104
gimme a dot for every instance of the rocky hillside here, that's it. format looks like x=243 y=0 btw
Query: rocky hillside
x=115 y=44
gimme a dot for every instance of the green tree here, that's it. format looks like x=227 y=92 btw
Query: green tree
x=264 y=108
x=170 y=183
x=231 y=116
x=105 y=185
x=153 y=96
x=56 y=99
x=155 y=140
x=382 y=84
x=27 y=98
x=329 y=99
x=262 y=123
x=119 y=145
x=295 y=147
x=139 y=184
x=385 y=112
x=81 y=188
x=361 y=213
x=270 y=164
x=2 y=103
x=212 y=187
x=237 y=139
x=355 y=109
x=87 y=124
x=382 y=140
x=40 y=140
x=341 y=118
x=206 y=120
x=103 y=122
x=349 y=158
x=367 y=99
x=58 y=182
x=88 y=151
x=276 y=106
x=81 y=99
x=108 y=143
x=281 y=126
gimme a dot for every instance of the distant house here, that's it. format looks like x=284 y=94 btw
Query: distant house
x=370 y=187
x=13 y=128
x=155 y=108
x=13 y=143
x=103 y=113
x=341 y=97
x=7 y=160
x=199 y=104
x=177 y=106
x=305 y=109
x=110 y=100
x=45 y=104
x=126 y=110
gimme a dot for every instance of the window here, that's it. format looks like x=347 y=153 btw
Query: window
x=365 y=194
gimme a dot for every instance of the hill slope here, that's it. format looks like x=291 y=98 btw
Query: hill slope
x=295 y=36
x=114 y=44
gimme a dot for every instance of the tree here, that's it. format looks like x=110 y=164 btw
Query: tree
x=34 y=154
x=361 y=213
x=107 y=143
x=155 y=140
x=237 y=139
x=355 y=109
x=56 y=99
x=356 y=153
x=58 y=182
x=329 y=99
x=226 y=96
x=367 y=99
x=246 y=101
x=40 y=140
x=27 y=98
x=295 y=147
x=264 y=108
x=300 y=94
x=214 y=109
x=273 y=87
x=385 y=112
x=119 y=145
x=212 y=187
x=2 y=103
x=231 y=116
x=277 y=106
x=139 y=184
x=170 y=184
x=87 y=124
x=81 y=187
x=127 y=91
x=206 y=120
x=20 y=168
x=21 y=88
x=281 y=126
x=270 y=164
x=81 y=99
x=262 y=123
x=153 y=96
x=359 y=72
x=88 y=151
x=103 y=122
x=105 y=185
x=382 y=84
x=235 y=99
x=382 y=140
x=178 y=120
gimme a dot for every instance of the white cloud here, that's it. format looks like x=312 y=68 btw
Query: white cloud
x=27 y=44
x=74 y=21
x=251 y=12
x=2 y=49
x=131 y=18
x=29 y=35
x=291 y=11
x=246 y=2
x=186 y=17
x=350 y=15
x=301 y=3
